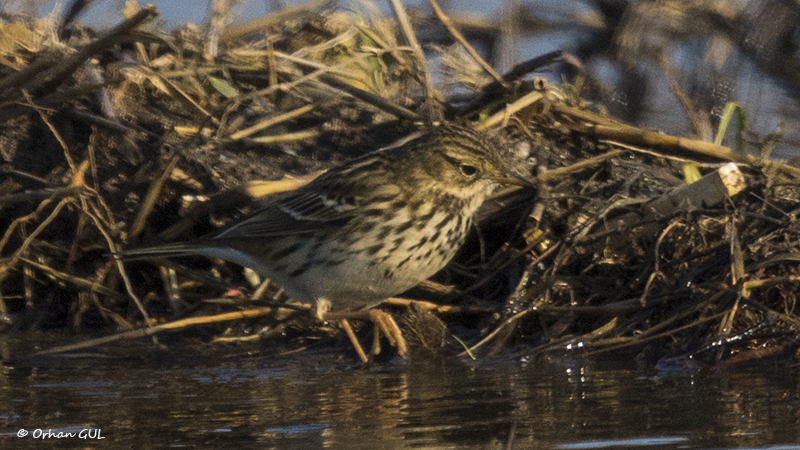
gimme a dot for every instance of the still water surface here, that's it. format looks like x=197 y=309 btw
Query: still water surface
x=313 y=401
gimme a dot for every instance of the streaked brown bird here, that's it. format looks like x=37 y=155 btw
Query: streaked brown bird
x=367 y=229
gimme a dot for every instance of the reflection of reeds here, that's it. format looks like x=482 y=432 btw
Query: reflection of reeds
x=111 y=142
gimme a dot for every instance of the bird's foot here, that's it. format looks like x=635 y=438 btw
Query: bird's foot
x=384 y=323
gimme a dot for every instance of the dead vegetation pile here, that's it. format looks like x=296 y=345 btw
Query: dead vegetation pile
x=136 y=136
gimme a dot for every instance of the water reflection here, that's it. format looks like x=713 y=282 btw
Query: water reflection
x=316 y=401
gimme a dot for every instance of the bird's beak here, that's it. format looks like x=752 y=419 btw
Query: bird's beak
x=514 y=181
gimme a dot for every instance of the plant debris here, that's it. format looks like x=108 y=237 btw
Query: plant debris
x=137 y=135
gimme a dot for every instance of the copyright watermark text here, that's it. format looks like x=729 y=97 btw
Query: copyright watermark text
x=84 y=433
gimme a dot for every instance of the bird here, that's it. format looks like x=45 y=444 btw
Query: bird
x=367 y=229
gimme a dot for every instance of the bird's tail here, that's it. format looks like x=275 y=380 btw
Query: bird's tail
x=210 y=248
x=165 y=250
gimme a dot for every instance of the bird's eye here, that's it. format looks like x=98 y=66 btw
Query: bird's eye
x=467 y=170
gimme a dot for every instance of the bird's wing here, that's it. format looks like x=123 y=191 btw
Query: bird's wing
x=296 y=213
x=329 y=201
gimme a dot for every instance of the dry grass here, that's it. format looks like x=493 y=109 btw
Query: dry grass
x=139 y=135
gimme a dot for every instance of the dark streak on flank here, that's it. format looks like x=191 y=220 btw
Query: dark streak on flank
x=317 y=245
x=374 y=212
x=395 y=246
x=372 y=251
x=428 y=216
x=366 y=227
x=415 y=205
x=419 y=244
x=402 y=263
x=404 y=227
x=442 y=222
x=302 y=269
x=286 y=251
x=384 y=233
x=397 y=205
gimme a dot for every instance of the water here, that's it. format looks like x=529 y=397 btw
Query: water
x=308 y=401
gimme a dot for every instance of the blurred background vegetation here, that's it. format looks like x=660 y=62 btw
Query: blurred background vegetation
x=669 y=65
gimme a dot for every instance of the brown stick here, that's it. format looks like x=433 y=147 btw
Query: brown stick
x=155 y=329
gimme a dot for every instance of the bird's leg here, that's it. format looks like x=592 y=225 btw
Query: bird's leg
x=383 y=321
x=390 y=329
x=319 y=310
x=376 y=339
x=356 y=345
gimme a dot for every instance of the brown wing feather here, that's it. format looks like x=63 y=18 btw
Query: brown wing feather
x=329 y=201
